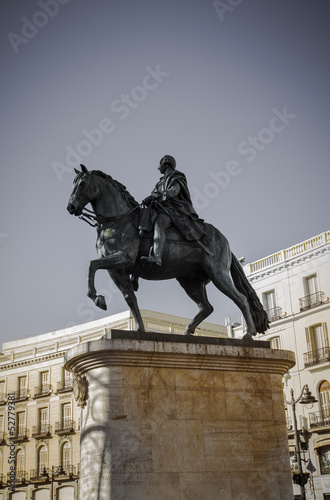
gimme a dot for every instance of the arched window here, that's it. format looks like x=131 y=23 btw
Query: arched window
x=20 y=473
x=42 y=459
x=66 y=455
x=324 y=456
x=324 y=399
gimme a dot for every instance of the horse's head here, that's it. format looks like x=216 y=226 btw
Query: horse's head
x=84 y=191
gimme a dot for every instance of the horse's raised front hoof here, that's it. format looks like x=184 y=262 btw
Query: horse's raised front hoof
x=100 y=302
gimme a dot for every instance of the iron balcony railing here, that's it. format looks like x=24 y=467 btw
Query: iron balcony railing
x=3 y=398
x=319 y=418
x=39 y=475
x=2 y=437
x=21 y=434
x=64 y=385
x=57 y=472
x=20 y=477
x=41 y=431
x=274 y=313
x=21 y=395
x=42 y=390
x=310 y=301
x=67 y=470
x=65 y=427
x=316 y=357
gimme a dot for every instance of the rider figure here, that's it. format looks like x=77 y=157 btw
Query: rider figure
x=171 y=203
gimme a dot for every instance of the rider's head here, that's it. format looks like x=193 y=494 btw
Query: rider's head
x=165 y=162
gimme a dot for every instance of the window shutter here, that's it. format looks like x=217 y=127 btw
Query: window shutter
x=325 y=335
x=309 y=339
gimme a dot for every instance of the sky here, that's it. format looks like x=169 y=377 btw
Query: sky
x=236 y=90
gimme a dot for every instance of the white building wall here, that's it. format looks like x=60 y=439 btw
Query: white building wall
x=285 y=272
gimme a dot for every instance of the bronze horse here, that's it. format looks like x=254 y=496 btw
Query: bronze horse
x=120 y=247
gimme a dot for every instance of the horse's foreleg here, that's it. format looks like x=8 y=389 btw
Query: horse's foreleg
x=123 y=282
x=117 y=260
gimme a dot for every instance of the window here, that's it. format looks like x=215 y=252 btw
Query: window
x=318 y=342
x=19 y=461
x=44 y=381
x=313 y=297
x=275 y=343
x=43 y=419
x=66 y=376
x=66 y=455
x=20 y=423
x=2 y=390
x=22 y=386
x=324 y=399
x=2 y=429
x=269 y=300
x=324 y=456
x=66 y=415
x=42 y=459
x=310 y=285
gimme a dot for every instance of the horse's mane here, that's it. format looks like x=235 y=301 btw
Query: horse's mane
x=127 y=197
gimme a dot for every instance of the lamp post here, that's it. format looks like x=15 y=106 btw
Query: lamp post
x=55 y=471
x=305 y=397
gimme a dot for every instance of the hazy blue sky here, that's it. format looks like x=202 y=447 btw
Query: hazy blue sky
x=236 y=85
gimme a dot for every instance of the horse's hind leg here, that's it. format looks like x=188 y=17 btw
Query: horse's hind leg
x=224 y=283
x=123 y=282
x=196 y=290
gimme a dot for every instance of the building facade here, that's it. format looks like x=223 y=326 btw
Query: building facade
x=39 y=417
x=294 y=287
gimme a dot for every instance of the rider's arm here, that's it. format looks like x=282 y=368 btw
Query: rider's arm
x=171 y=192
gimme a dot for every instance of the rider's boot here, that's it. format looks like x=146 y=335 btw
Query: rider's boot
x=162 y=223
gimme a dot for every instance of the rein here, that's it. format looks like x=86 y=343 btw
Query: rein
x=92 y=216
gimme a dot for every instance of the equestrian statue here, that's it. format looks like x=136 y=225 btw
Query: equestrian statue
x=161 y=239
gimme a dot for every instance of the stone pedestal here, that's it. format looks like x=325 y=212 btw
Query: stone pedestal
x=168 y=417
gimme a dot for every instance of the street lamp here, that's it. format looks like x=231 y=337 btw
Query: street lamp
x=55 y=471
x=305 y=397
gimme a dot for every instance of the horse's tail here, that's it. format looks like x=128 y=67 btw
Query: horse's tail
x=242 y=284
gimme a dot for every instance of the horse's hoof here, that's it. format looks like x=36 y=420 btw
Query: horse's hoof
x=100 y=302
x=247 y=336
x=188 y=332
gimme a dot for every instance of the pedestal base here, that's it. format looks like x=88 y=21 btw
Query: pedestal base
x=178 y=419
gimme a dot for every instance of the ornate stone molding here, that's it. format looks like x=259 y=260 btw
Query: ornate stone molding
x=80 y=389
x=276 y=268
x=32 y=361
x=130 y=352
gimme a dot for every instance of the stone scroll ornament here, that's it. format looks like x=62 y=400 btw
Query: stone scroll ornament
x=80 y=389
x=163 y=238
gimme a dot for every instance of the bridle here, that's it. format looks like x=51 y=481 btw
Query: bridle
x=92 y=218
